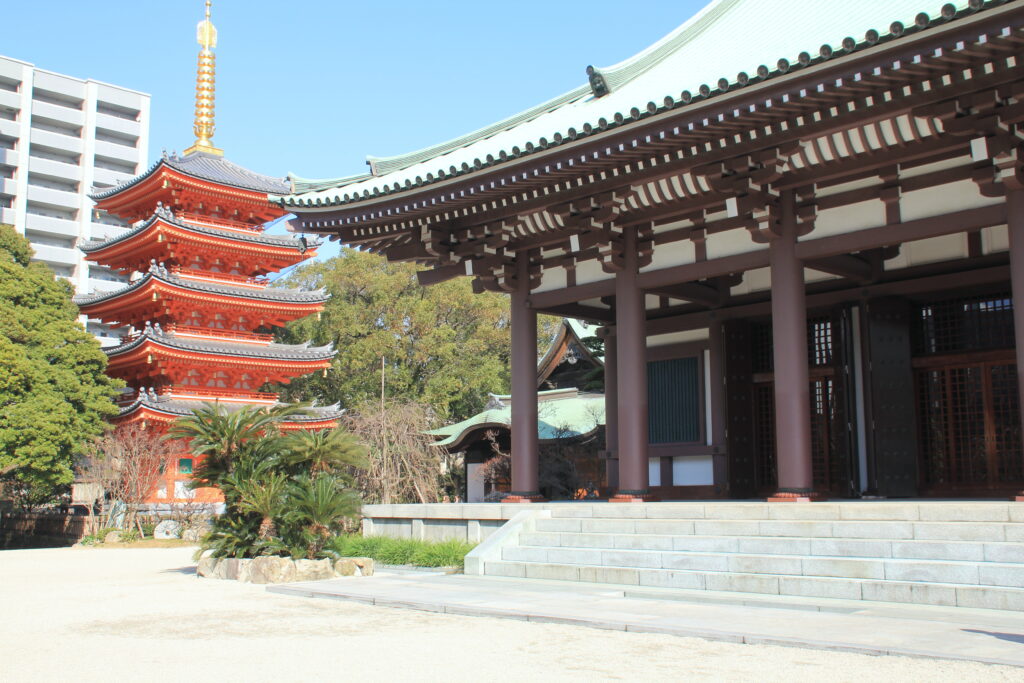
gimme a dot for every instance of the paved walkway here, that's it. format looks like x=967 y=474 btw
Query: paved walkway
x=987 y=636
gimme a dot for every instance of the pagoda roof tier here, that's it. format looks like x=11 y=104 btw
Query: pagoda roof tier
x=728 y=46
x=165 y=409
x=196 y=181
x=164 y=237
x=152 y=355
x=152 y=297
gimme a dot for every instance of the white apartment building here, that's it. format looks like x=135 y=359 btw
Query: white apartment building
x=60 y=137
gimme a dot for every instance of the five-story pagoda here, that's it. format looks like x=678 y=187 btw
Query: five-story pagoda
x=198 y=308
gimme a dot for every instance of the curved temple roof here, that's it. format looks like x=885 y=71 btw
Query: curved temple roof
x=289 y=242
x=177 y=408
x=207 y=167
x=729 y=44
x=296 y=352
x=268 y=294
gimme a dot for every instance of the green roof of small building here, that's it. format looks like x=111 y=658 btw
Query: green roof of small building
x=562 y=414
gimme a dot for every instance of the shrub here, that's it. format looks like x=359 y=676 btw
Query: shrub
x=387 y=550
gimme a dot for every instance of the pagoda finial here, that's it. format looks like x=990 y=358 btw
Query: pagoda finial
x=206 y=35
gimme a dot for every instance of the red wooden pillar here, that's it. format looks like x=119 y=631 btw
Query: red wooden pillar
x=792 y=383
x=524 y=389
x=611 y=407
x=631 y=370
x=1015 y=225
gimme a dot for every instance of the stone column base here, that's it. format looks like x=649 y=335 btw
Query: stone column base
x=633 y=497
x=524 y=497
x=797 y=497
x=1019 y=498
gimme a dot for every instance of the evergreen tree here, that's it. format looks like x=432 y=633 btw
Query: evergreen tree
x=442 y=345
x=54 y=394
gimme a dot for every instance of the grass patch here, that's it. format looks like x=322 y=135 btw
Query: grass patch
x=387 y=550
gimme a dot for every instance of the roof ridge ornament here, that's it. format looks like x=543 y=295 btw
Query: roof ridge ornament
x=598 y=84
x=203 y=125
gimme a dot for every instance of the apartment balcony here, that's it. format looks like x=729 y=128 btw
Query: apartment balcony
x=11 y=129
x=109 y=177
x=8 y=157
x=6 y=216
x=56 y=140
x=114 y=151
x=53 y=226
x=60 y=198
x=56 y=255
x=118 y=125
x=10 y=100
x=54 y=169
x=8 y=186
x=75 y=117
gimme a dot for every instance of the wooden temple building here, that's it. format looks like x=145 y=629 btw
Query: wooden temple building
x=815 y=213
x=199 y=310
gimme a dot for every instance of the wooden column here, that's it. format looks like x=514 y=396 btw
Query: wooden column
x=524 y=389
x=792 y=384
x=717 y=403
x=631 y=362
x=611 y=407
x=1015 y=225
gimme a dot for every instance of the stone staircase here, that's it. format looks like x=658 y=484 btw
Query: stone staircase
x=931 y=553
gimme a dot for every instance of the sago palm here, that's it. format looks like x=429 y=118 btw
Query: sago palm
x=325 y=451
x=318 y=505
x=265 y=497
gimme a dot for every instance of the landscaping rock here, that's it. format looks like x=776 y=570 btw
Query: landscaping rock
x=313 y=570
x=193 y=534
x=112 y=537
x=206 y=567
x=167 y=529
x=271 y=570
x=354 y=566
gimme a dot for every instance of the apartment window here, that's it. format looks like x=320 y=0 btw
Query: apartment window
x=105 y=274
x=6 y=171
x=52 y=183
x=56 y=98
x=49 y=240
x=50 y=212
x=51 y=154
x=5 y=202
x=118 y=111
x=9 y=85
x=61 y=271
x=8 y=143
x=8 y=114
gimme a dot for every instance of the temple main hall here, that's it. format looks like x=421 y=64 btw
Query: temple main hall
x=815 y=218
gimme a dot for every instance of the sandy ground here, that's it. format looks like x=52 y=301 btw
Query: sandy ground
x=88 y=614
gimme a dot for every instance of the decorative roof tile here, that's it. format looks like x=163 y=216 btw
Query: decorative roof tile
x=268 y=294
x=728 y=45
x=178 y=408
x=289 y=242
x=208 y=167
x=299 y=352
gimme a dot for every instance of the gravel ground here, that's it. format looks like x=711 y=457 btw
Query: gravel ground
x=88 y=614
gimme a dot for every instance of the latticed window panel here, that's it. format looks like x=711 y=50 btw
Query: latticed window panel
x=975 y=323
x=969 y=426
x=822 y=420
x=764 y=435
x=819 y=344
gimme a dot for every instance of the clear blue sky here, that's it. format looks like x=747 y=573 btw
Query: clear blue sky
x=312 y=87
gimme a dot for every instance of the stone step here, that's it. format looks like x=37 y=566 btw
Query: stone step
x=976 y=551
x=968 y=573
x=847 y=588
x=844 y=529
x=912 y=511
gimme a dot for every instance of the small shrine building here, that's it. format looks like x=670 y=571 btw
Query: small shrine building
x=199 y=310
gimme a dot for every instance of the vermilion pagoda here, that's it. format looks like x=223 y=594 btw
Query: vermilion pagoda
x=199 y=310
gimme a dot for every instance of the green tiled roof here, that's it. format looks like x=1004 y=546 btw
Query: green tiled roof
x=562 y=413
x=728 y=45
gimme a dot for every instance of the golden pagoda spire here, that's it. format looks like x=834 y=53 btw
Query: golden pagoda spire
x=206 y=35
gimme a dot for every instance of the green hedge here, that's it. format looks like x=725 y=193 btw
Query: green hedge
x=387 y=550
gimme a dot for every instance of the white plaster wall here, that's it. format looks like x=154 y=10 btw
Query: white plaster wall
x=942 y=199
x=731 y=242
x=590 y=271
x=551 y=278
x=931 y=250
x=869 y=214
x=756 y=280
x=995 y=239
x=671 y=254
x=693 y=470
x=677 y=337
x=654 y=471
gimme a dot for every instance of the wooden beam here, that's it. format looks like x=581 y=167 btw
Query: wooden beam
x=844 y=265
x=581 y=312
x=695 y=292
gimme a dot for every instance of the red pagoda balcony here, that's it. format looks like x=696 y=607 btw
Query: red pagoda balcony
x=209 y=333
x=223 y=278
x=225 y=223
x=186 y=393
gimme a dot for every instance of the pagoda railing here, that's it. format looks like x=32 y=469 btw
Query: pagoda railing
x=200 y=219
x=201 y=393
x=213 y=276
